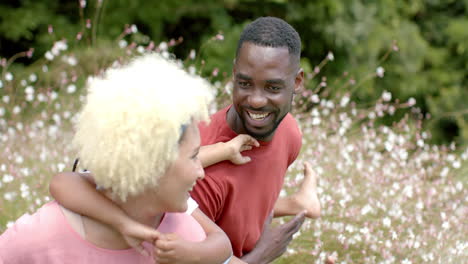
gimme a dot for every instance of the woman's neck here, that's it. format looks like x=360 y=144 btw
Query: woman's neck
x=106 y=236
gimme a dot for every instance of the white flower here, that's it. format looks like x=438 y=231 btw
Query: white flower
x=316 y=121
x=32 y=77
x=60 y=167
x=420 y=143
x=459 y=186
x=29 y=97
x=444 y=172
x=59 y=46
x=9 y=196
x=380 y=71
x=163 y=46
x=387 y=222
x=140 y=49
x=344 y=101
x=82 y=3
x=16 y=110
x=330 y=56
x=41 y=97
x=1 y=84
x=411 y=101
x=48 y=55
x=315 y=99
x=2 y=111
x=192 y=69
x=70 y=60
x=364 y=230
x=446 y=225
x=122 y=43
x=192 y=54
x=66 y=114
x=45 y=68
x=8 y=76
x=53 y=95
x=387 y=96
x=134 y=28
x=406 y=261
x=366 y=209
x=19 y=159
x=10 y=224
x=7 y=178
x=6 y=99
x=71 y=88
x=29 y=89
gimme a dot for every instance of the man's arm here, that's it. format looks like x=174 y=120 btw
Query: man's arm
x=274 y=240
x=305 y=199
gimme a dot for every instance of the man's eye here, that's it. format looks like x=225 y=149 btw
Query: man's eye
x=275 y=88
x=243 y=83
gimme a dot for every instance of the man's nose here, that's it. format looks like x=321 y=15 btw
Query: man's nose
x=257 y=99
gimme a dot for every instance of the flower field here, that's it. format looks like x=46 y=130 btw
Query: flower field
x=387 y=195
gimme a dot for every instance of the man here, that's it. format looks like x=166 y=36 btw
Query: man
x=240 y=199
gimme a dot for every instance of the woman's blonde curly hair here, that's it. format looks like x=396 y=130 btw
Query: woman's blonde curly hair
x=129 y=128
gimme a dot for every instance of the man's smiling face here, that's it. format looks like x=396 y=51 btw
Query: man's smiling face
x=265 y=79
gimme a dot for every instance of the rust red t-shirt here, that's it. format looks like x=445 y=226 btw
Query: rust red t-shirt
x=239 y=198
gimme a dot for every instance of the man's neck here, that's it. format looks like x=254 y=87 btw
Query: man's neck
x=234 y=122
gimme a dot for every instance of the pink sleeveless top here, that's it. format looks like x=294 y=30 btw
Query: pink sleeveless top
x=47 y=237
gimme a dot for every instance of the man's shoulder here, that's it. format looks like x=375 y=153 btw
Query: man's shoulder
x=290 y=126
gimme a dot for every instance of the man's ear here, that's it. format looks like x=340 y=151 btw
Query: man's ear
x=299 y=81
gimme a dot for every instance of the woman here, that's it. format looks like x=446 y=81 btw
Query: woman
x=137 y=133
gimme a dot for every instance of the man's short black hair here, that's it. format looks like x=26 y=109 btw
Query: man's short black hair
x=271 y=32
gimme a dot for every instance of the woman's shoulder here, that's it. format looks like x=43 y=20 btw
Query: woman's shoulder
x=184 y=225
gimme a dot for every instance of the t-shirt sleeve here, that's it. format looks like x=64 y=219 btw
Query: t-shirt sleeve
x=17 y=239
x=191 y=205
x=210 y=197
x=296 y=136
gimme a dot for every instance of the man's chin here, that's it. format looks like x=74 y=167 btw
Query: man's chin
x=259 y=134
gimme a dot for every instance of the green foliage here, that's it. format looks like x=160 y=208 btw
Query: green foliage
x=431 y=37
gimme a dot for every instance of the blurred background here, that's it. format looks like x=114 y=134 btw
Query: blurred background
x=429 y=37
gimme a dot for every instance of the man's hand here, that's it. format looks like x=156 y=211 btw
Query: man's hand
x=274 y=240
x=238 y=144
x=170 y=248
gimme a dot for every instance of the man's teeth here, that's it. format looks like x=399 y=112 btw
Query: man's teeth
x=258 y=116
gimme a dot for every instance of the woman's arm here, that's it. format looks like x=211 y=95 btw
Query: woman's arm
x=76 y=192
x=86 y=200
